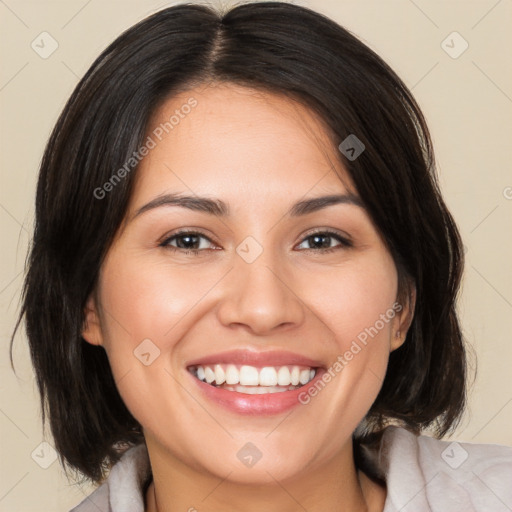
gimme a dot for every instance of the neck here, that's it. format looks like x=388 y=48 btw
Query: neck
x=335 y=486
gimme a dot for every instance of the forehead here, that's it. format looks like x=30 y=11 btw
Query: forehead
x=226 y=139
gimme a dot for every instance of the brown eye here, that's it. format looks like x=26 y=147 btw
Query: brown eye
x=187 y=241
x=322 y=241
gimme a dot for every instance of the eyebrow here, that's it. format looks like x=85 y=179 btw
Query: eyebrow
x=219 y=208
x=318 y=203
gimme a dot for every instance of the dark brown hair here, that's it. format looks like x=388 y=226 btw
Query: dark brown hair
x=276 y=47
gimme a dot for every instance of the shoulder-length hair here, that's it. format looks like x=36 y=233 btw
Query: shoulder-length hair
x=276 y=47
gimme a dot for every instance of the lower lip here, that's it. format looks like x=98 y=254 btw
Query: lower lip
x=266 y=404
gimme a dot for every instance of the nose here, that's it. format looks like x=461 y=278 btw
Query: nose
x=260 y=297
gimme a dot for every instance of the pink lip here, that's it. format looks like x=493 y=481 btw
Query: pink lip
x=256 y=405
x=243 y=403
x=257 y=359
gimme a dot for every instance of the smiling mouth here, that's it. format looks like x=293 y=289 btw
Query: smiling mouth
x=254 y=380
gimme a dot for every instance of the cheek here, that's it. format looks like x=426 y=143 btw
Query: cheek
x=142 y=321
x=354 y=300
x=359 y=315
x=148 y=307
x=149 y=300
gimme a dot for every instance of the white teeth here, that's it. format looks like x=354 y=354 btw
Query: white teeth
x=209 y=375
x=220 y=376
x=294 y=376
x=249 y=376
x=232 y=375
x=283 y=376
x=258 y=390
x=304 y=377
x=268 y=377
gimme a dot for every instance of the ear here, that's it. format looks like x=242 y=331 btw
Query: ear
x=91 y=331
x=404 y=317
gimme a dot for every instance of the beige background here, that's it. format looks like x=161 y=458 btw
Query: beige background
x=467 y=102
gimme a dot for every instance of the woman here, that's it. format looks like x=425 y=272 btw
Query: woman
x=241 y=291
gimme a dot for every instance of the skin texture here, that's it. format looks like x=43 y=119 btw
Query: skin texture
x=260 y=153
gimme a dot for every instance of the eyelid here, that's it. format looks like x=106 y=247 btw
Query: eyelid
x=186 y=231
x=328 y=231
x=343 y=238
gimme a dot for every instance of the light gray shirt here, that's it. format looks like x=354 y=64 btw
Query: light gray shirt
x=422 y=474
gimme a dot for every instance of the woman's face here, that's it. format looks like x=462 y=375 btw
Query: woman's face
x=258 y=277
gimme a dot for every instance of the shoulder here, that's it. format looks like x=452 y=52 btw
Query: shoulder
x=123 y=491
x=432 y=475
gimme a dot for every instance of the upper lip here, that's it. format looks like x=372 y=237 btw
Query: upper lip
x=252 y=358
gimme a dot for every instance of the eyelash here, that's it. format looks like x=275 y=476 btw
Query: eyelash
x=344 y=243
